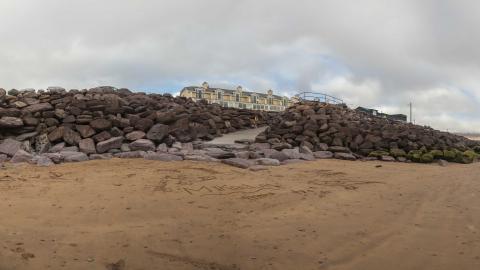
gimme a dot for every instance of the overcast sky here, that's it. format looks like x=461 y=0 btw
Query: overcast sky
x=379 y=54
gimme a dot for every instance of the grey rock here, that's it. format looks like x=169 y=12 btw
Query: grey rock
x=71 y=149
x=281 y=146
x=135 y=135
x=55 y=157
x=40 y=107
x=101 y=124
x=243 y=154
x=291 y=161
x=339 y=149
x=442 y=163
x=157 y=132
x=201 y=158
x=44 y=161
x=238 y=162
x=292 y=153
x=74 y=156
x=322 y=147
x=308 y=157
x=131 y=154
x=125 y=147
x=10 y=147
x=21 y=156
x=162 y=148
x=112 y=143
x=26 y=136
x=162 y=156
x=142 y=145
x=3 y=157
x=85 y=131
x=345 y=156
x=259 y=146
x=103 y=156
x=387 y=158
x=305 y=150
x=71 y=137
x=218 y=153
x=323 y=154
x=57 y=148
x=87 y=146
x=267 y=162
x=10 y=122
x=272 y=153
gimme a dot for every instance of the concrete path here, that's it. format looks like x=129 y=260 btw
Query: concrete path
x=247 y=134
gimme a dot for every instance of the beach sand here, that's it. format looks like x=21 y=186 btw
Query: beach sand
x=325 y=214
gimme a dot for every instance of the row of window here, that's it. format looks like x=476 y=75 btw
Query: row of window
x=199 y=95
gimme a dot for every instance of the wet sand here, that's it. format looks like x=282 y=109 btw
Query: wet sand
x=328 y=214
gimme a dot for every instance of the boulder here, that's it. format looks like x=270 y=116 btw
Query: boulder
x=157 y=132
x=344 y=156
x=85 y=131
x=39 y=107
x=323 y=154
x=135 y=135
x=267 y=162
x=101 y=124
x=238 y=162
x=131 y=154
x=10 y=122
x=21 y=156
x=74 y=156
x=44 y=161
x=142 y=145
x=10 y=147
x=71 y=137
x=87 y=146
x=112 y=143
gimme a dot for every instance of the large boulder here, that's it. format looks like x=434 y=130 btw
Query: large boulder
x=157 y=132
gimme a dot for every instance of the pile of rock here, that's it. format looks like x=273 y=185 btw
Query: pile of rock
x=77 y=125
x=336 y=130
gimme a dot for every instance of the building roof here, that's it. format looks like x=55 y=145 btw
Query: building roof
x=230 y=91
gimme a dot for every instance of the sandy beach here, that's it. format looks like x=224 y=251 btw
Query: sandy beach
x=328 y=214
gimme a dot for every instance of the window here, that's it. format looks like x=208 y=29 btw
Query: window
x=199 y=94
x=237 y=97
x=270 y=100
x=219 y=95
x=254 y=99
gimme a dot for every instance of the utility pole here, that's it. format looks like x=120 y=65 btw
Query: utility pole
x=410 y=112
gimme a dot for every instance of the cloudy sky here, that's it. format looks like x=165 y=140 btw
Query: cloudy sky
x=379 y=54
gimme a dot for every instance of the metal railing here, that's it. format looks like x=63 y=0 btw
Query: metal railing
x=320 y=97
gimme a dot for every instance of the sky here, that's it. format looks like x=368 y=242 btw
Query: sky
x=372 y=53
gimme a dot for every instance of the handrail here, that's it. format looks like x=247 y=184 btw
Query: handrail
x=321 y=97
